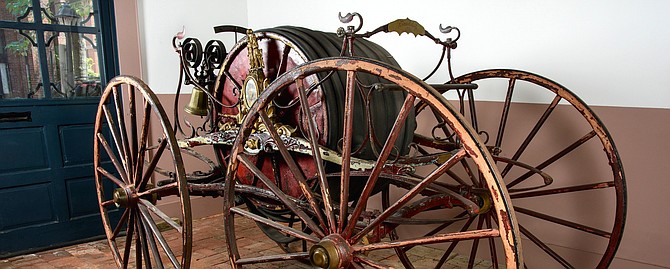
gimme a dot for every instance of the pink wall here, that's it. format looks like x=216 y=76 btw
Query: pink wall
x=128 y=37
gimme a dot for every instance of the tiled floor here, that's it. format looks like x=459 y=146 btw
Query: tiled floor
x=209 y=251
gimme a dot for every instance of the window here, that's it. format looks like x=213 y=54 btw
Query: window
x=51 y=49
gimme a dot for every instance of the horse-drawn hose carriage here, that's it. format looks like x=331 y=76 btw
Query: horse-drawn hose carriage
x=344 y=160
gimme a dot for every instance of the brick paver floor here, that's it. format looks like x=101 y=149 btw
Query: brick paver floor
x=209 y=251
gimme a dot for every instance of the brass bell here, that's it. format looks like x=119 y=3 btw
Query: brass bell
x=198 y=104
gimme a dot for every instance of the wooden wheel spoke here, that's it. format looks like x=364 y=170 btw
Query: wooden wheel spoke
x=130 y=228
x=505 y=113
x=125 y=145
x=439 y=238
x=107 y=203
x=157 y=190
x=450 y=173
x=116 y=137
x=152 y=165
x=475 y=243
x=115 y=161
x=316 y=153
x=162 y=215
x=281 y=228
x=531 y=135
x=446 y=224
x=142 y=147
x=281 y=195
x=563 y=222
x=569 y=189
x=283 y=61
x=124 y=217
x=147 y=220
x=452 y=246
x=346 y=148
x=381 y=160
x=457 y=178
x=133 y=126
x=471 y=175
x=141 y=247
x=111 y=177
x=411 y=194
x=150 y=243
x=293 y=167
x=554 y=158
x=274 y=258
x=545 y=248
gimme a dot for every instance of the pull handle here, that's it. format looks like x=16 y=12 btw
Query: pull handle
x=16 y=116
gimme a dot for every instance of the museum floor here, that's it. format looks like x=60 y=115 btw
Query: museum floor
x=209 y=251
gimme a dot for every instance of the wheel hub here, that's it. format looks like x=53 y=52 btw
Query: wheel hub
x=483 y=200
x=122 y=197
x=332 y=252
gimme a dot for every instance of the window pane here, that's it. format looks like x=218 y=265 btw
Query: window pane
x=19 y=66
x=73 y=64
x=14 y=10
x=72 y=12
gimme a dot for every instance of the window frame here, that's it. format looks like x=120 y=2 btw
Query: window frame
x=104 y=29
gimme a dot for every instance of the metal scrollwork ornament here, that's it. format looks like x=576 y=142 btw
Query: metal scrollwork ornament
x=198 y=68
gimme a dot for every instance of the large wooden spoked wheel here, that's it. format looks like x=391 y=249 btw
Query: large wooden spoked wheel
x=343 y=234
x=573 y=215
x=139 y=233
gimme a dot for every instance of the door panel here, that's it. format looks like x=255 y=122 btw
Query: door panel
x=39 y=196
x=72 y=137
x=31 y=146
x=81 y=206
x=47 y=190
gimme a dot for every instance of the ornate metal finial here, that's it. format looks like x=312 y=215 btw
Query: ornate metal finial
x=255 y=53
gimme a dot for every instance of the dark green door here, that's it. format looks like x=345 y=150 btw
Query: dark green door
x=54 y=59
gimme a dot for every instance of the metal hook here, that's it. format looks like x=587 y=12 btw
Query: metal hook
x=350 y=17
x=448 y=29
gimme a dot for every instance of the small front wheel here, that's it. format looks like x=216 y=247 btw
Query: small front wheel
x=139 y=233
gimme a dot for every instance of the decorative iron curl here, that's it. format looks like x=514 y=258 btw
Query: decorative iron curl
x=347 y=19
x=191 y=50
x=215 y=53
x=447 y=30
